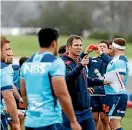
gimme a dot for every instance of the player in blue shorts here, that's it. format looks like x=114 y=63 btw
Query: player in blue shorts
x=6 y=79
x=43 y=86
x=116 y=102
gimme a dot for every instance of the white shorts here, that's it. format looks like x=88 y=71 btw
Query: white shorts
x=115 y=117
x=21 y=112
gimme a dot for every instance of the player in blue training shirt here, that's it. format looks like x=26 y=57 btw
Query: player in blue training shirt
x=116 y=102
x=16 y=89
x=43 y=86
x=6 y=78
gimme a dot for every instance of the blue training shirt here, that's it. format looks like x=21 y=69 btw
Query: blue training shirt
x=43 y=107
x=120 y=64
x=6 y=79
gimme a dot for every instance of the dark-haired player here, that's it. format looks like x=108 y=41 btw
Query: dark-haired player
x=43 y=86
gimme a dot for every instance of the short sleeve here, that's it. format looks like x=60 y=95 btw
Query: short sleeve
x=120 y=66
x=6 y=78
x=58 y=68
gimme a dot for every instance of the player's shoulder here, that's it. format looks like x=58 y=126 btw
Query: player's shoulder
x=67 y=60
x=124 y=58
x=15 y=67
x=30 y=59
x=3 y=65
x=59 y=61
x=48 y=58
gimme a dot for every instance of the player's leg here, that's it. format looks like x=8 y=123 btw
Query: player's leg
x=100 y=124
x=115 y=123
x=100 y=109
x=95 y=109
x=105 y=121
x=96 y=118
x=117 y=111
x=21 y=119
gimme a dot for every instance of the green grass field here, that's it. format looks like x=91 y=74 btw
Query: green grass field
x=127 y=120
x=27 y=45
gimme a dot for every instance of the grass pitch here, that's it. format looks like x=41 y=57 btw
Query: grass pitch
x=27 y=45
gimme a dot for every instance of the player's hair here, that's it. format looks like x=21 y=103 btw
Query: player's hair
x=71 y=38
x=120 y=41
x=105 y=43
x=3 y=40
x=62 y=49
x=109 y=42
x=22 y=60
x=46 y=36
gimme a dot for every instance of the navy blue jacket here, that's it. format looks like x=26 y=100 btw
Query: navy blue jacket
x=100 y=63
x=77 y=83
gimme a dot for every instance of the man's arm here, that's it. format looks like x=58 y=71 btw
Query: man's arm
x=94 y=82
x=16 y=94
x=11 y=105
x=82 y=54
x=73 y=74
x=97 y=82
x=106 y=58
x=87 y=51
x=23 y=92
x=6 y=89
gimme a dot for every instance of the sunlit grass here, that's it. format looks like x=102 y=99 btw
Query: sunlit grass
x=27 y=45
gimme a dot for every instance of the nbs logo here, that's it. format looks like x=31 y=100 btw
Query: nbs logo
x=35 y=68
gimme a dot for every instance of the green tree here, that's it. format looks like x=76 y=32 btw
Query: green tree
x=69 y=17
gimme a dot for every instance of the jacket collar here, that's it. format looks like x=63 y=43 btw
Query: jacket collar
x=66 y=57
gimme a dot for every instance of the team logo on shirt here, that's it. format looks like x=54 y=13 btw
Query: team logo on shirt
x=35 y=68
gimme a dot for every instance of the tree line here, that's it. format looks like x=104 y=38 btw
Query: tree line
x=71 y=16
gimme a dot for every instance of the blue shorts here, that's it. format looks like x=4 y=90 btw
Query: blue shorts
x=96 y=103
x=3 y=122
x=85 y=119
x=115 y=105
x=56 y=126
x=8 y=117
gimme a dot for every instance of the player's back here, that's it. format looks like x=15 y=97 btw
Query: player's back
x=43 y=107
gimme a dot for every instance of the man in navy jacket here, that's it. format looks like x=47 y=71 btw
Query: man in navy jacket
x=78 y=83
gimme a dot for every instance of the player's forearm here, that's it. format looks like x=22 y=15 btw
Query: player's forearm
x=11 y=107
x=23 y=92
x=16 y=93
x=66 y=104
x=25 y=101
